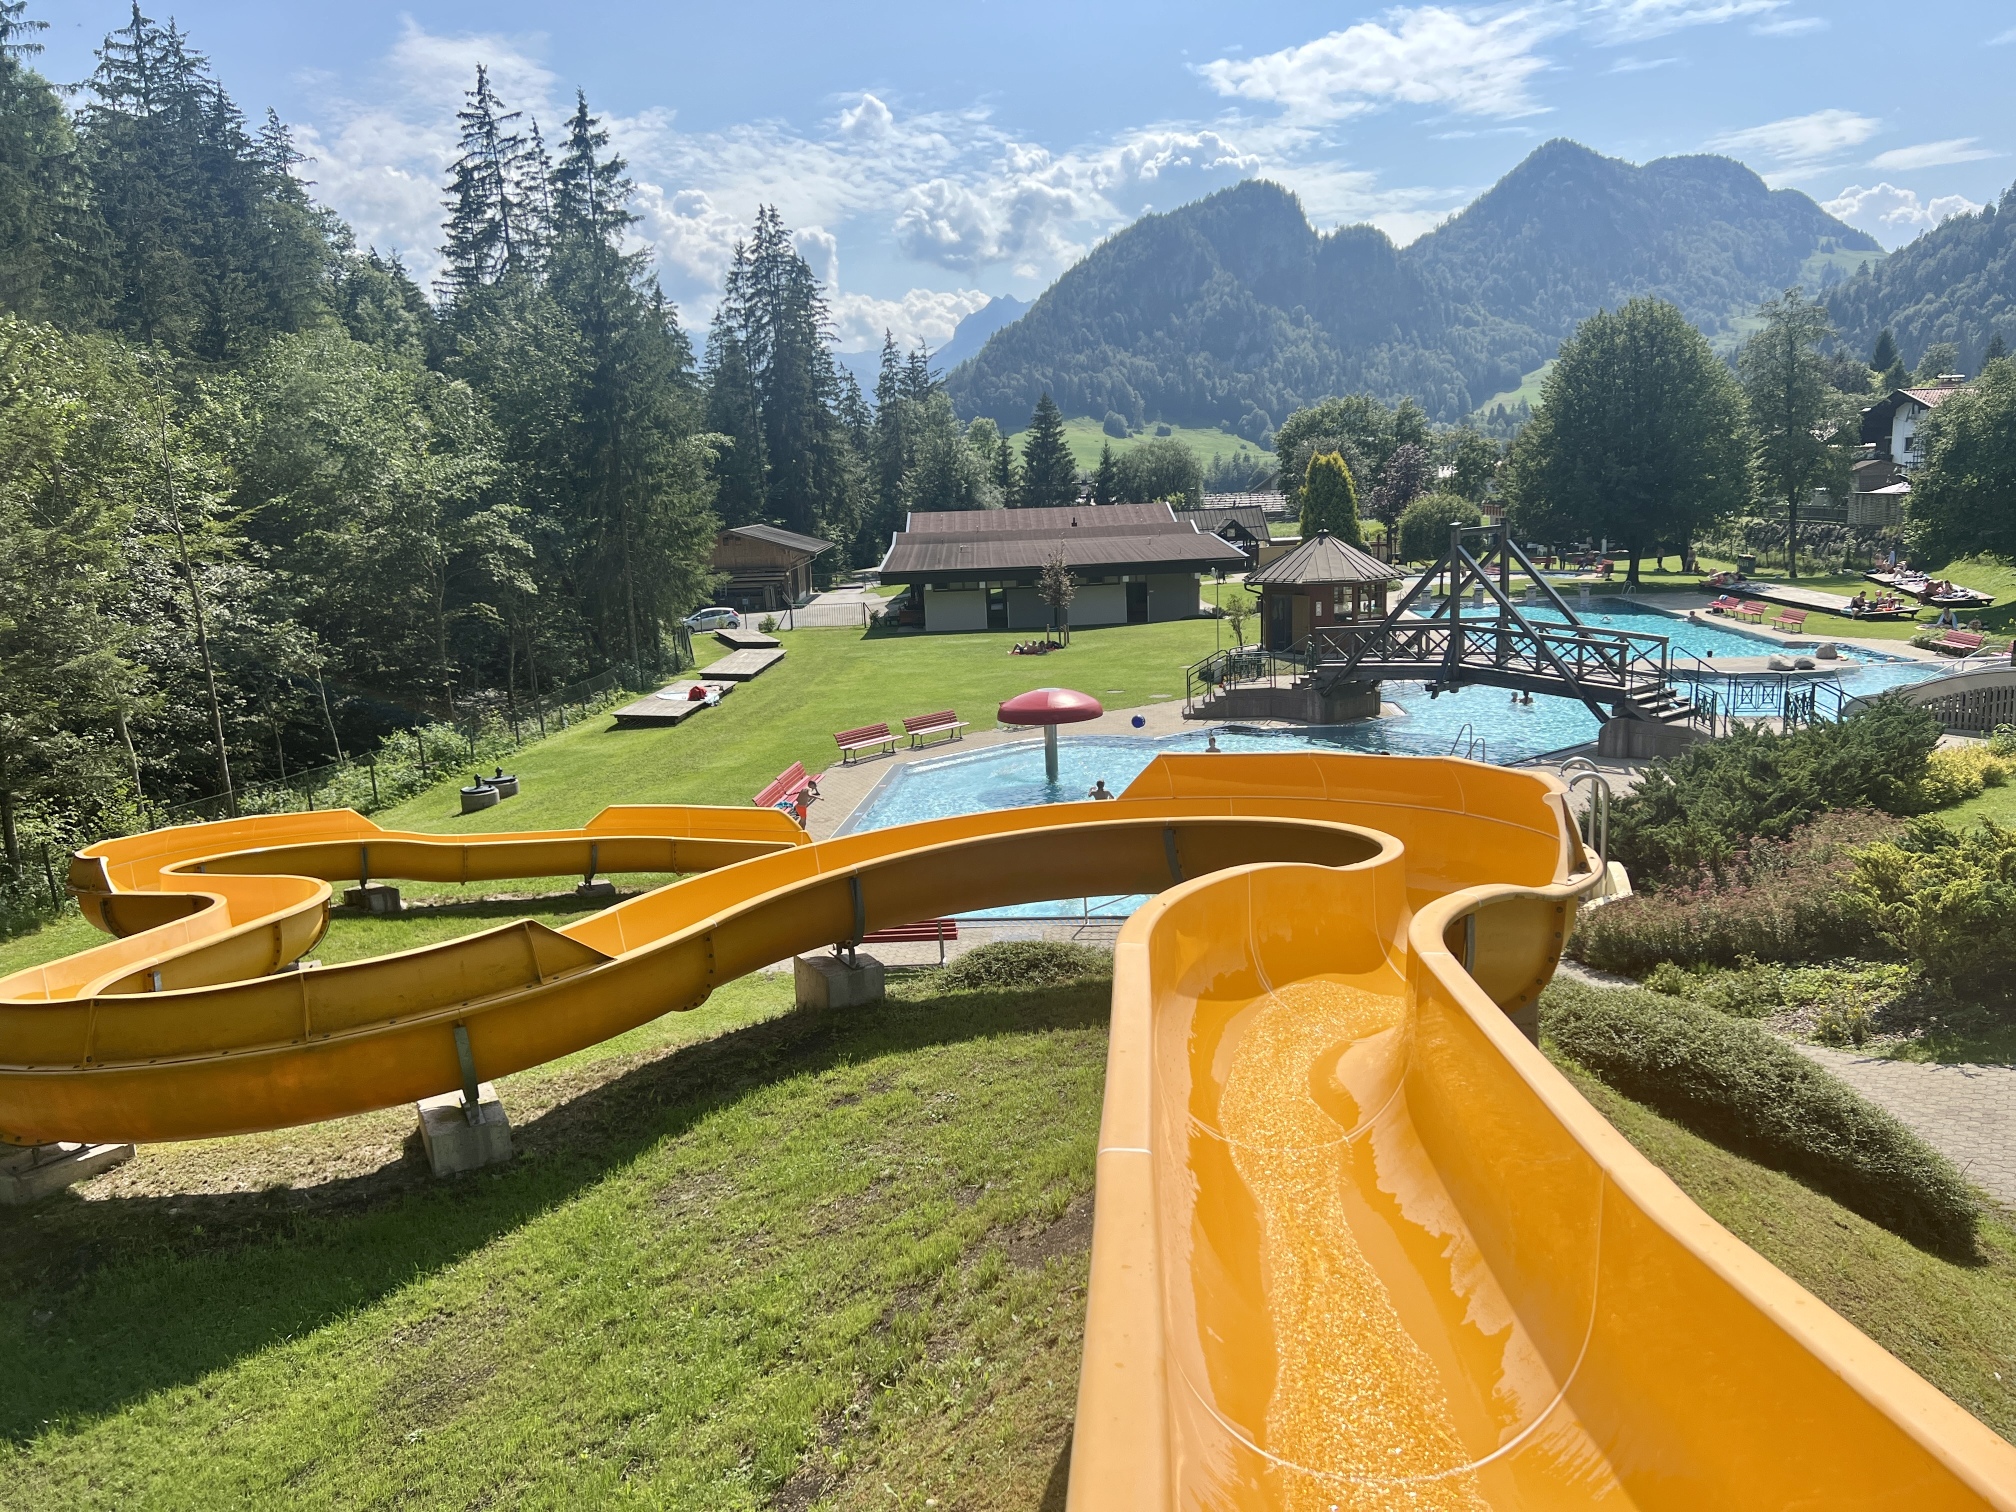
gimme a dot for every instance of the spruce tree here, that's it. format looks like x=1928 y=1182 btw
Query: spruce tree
x=1007 y=477
x=1106 y=476
x=1997 y=350
x=53 y=266
x=1049 y=475
x=735 y=412
x=1330 y=500
x=1884 y=357
x=486 y=234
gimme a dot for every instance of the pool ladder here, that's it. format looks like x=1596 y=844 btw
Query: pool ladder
x=1469 y=745
x=1594 y=821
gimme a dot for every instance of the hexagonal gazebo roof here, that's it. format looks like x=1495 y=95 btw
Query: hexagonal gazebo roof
x=1322 y=559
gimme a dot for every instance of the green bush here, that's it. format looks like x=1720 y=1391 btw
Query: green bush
x=1424 y=524
x=1006 y=964
x=1694 y=813
x=1946 y=899
x=1732 y=1082
x=1775 y=901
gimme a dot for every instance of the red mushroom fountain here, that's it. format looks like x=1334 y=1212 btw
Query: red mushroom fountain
x=1050 y=707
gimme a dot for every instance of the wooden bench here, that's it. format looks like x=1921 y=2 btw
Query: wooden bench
x=922 y=932
x=1750 y=610
x=794 y=791
x=1791 y=621
x=1965 y=642
x=877 y=738
x=923 y=727
x=1725 y=605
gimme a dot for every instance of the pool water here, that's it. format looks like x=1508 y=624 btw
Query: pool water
x=1481 y=721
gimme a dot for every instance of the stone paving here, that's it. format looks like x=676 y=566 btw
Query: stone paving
x=1968 y=1113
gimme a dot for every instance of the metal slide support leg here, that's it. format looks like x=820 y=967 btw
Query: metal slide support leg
x=471 y=1097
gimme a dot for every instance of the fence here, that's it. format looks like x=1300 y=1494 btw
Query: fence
x=1722 y=702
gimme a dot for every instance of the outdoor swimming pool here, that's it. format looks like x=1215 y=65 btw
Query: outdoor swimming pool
x=1011 y=775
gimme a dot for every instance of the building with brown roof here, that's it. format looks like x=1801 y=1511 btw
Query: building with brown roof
x=977 y=569
x=767 y=568
x=1891 y=425
x=1323 y=581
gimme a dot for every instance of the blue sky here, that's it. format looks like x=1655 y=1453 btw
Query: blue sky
x=931 y=156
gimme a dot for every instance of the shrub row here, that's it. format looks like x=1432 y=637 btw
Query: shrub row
x=1947 y=899
x=1775 y=901
x=1695 y=814
x=1007 y=964
x=1732 y=1082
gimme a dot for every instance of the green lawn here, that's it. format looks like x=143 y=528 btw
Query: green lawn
x=1528 y=390
x=1085 y=437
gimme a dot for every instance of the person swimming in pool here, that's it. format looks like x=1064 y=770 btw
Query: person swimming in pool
x=1211 y=743
x=1099 y=790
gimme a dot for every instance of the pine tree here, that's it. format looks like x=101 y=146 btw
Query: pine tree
x=734 y=410
x=1007 y=477
x=1330 y=500
x=486 y=234
x=1049 y=476
x=53 y=240
x=1996 y=352
x=1106 y=476
x=1884 y=357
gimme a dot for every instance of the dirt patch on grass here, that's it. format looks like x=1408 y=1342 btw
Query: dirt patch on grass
x=1069 y=1234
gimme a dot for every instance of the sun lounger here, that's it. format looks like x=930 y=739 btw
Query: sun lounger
x=877 y=738
x=923 y=728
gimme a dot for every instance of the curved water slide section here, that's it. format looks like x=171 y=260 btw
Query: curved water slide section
x=1357 y=1244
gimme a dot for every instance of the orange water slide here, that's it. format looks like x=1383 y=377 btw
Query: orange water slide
x=1357 y=1244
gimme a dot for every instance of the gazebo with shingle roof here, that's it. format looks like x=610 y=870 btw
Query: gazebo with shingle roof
x=1323 y=581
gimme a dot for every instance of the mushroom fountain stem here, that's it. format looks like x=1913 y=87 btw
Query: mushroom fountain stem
x=1050 y=753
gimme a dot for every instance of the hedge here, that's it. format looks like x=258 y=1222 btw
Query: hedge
x=1732 y=1082
x=1006 y=964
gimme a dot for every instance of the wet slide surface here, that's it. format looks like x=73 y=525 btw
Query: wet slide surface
x=1357 y=1244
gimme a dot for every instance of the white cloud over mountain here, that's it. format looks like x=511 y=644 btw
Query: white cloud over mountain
x=1893 y=215
x=1801 y=142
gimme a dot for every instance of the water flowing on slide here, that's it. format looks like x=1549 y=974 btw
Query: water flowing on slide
x=1357 y=1245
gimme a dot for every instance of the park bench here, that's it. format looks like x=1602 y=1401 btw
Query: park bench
x=924 y=727
x=1725 y=605
x=923 y=932
x=794 y=791
x=1606 y=569
x=876 y=738
x=1791 y=621
x=1750 y=610
x=1965 y=642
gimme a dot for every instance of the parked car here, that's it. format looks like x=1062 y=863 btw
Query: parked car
x=714 y=619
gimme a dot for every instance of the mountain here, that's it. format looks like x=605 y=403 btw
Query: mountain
x=971 y=333
x=1233 y=311
x=1955 y=283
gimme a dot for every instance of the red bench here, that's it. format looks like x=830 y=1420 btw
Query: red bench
x=1750 y=609
x=876 y=738
x=922 y=932
x=1791 y=621
x=923 y=727
x=1725 y=605
x=1966 y=642
x=794 y=791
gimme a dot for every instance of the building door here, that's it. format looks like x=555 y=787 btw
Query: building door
x=1281 y=629
x=1137 y=602
x=997 y=608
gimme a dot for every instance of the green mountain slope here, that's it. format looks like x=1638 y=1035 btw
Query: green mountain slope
x=1233 y=311
x=1955 y=283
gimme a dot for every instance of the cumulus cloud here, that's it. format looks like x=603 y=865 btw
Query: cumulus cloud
x=1636 y=20
x=1791 y=26
x=1893 y=215
x=1479 y=63
x=1931 y=155
x=1800 y=143
x=926 y=315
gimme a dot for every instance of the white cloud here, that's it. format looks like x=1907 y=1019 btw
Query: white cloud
x=2005 y=39
x=1931 y=155
x=1792 y=26
x=1800 y=142
x=1640 y=65
x=1479 y=63
x=926 y=315
x=1636 y=20
x=1892 y=215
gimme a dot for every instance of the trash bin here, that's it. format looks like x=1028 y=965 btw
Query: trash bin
x=1746 y=562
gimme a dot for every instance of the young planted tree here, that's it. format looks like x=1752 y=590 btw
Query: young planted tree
x=1640 y=438
x=1798 y=418
x=1049 y=476
x=1058 y=588
x=1330 y=500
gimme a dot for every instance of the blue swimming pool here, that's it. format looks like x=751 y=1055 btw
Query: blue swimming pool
x=1011 y=775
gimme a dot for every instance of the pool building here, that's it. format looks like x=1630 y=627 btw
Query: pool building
x=1134 y=564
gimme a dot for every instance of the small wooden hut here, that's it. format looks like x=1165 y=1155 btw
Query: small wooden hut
x=1324 y=581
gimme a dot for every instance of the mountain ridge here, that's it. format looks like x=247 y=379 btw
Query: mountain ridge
x=1232 y=310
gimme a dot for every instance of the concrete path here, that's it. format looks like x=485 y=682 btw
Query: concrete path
x=1968 y=1113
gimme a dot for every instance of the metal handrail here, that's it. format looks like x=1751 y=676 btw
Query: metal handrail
x=1595 y=820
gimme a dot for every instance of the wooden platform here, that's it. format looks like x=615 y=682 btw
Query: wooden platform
x=670 y=705
x=1760 y=666
x=741 y=666
x=1809 y=599
x=746 y=640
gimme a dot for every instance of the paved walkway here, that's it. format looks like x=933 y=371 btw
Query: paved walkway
x=1968 y=1113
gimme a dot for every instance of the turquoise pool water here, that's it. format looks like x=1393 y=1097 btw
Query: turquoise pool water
x=1011 y=775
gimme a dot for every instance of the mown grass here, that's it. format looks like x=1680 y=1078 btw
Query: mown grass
x=1085 y=436
x=832 y=1258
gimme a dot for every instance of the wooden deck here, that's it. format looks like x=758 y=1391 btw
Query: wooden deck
x=670 y=705
x=746 y=640
x=741 y=666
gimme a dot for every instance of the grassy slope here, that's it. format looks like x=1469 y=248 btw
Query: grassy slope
x=1085 y=437
x=846 y=1250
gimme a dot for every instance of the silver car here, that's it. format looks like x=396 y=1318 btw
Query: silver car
x=714 y=619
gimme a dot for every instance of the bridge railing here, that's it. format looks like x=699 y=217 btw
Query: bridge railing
x=1608 y=660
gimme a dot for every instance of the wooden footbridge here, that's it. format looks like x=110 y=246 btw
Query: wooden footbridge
x=1617 y=674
